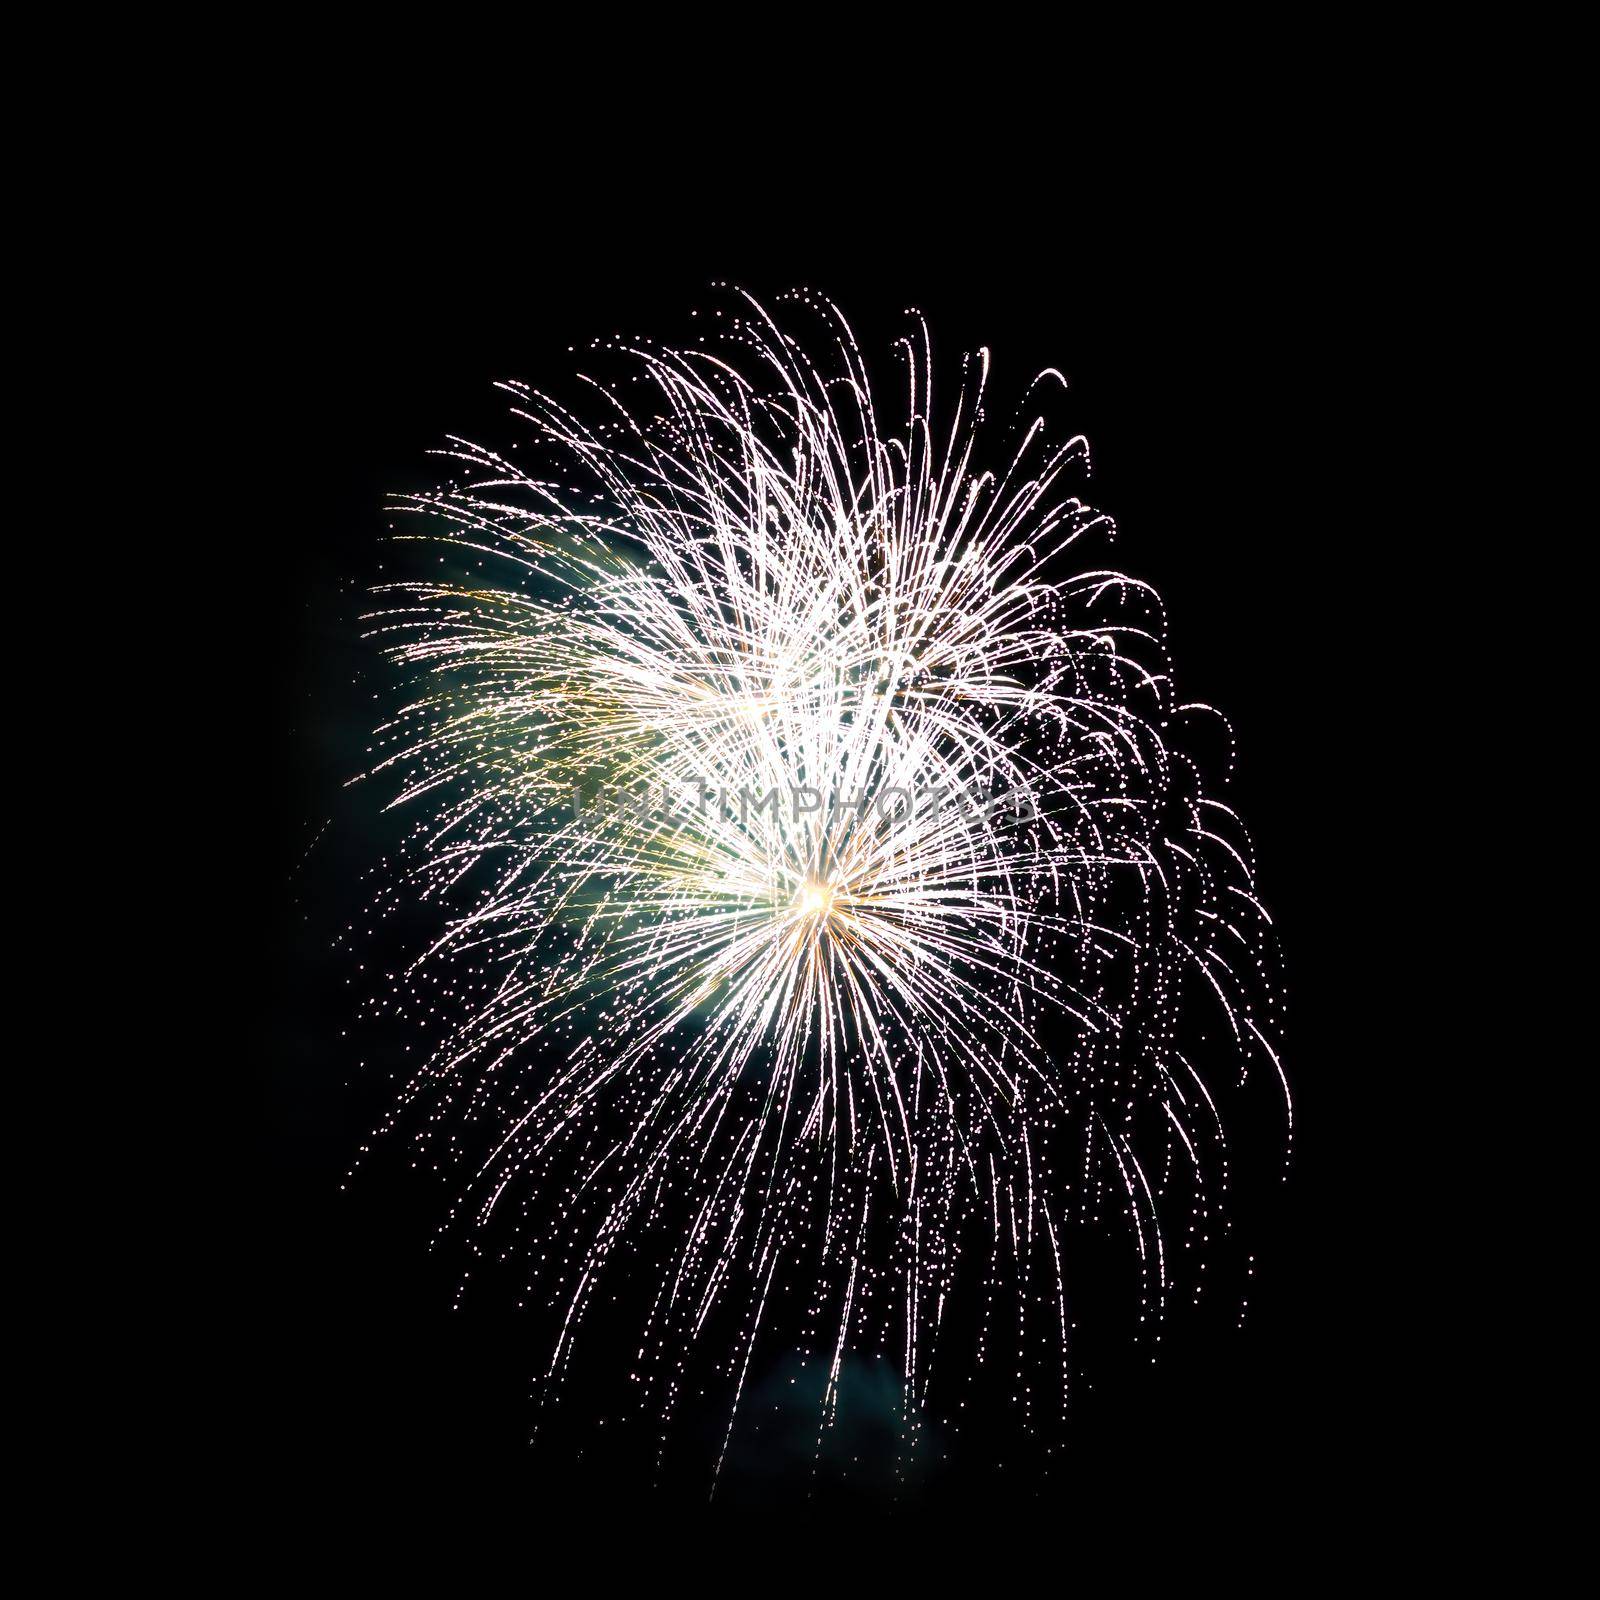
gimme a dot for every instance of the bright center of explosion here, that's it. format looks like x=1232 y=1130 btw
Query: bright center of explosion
x=815 y=900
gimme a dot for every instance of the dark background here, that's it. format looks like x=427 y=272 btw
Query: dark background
x=1215 y=362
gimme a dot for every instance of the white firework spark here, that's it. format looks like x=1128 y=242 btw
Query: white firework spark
x=774 y=1040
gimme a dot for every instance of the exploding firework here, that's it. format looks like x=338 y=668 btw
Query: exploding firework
x=829 y=916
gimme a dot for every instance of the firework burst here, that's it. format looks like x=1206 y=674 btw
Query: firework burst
x=826 y=902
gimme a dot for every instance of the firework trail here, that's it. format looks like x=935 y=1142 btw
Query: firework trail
x=826 y=902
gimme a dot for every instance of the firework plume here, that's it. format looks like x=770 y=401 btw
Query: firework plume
x=829 y=919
